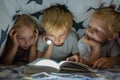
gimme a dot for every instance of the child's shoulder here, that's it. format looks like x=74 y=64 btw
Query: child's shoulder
x=73 y=35
x=114 y=42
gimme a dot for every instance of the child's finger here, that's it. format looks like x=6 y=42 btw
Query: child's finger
x=80 y=60
x=36 y=31
x=71 y=59
x=96 y=63
x=11 y=32
x=15 y=35
x=43 y=39
x=36 y=36
x=77 y=59
x=68 y=59
x=101 y=64
x=15 y=38
x=105 y=66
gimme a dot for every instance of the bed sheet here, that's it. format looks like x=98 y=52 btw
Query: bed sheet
x=13 y=72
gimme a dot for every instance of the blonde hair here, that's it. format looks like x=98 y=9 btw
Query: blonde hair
x=110 y=17
x=25 y=20
x=57 y=18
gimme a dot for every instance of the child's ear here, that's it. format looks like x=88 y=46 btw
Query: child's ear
x=115 y=36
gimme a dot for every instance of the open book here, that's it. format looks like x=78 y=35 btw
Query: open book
x=47 y=65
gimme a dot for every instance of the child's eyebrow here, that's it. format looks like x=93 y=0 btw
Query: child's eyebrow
x=19 y=36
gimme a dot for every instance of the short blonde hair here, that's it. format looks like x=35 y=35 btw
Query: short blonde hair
x=57 y=18
x=25 y=20
x=110 y=17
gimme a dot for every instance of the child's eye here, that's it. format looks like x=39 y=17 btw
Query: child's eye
x=32 y=36
x=20 y=38
x=97 y=30
x=50 y=36
x=63 y=36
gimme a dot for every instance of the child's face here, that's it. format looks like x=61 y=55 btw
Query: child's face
x=57 y=38
x=97 y=30
x=25 y=37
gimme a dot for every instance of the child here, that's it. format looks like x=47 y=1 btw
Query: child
x=21 y=43
x=57 y=23
x=99 y=46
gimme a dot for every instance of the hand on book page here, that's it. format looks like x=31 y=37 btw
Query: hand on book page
x=48 y=65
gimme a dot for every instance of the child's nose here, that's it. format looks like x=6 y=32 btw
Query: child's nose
x=57 y=40
x=27 y=42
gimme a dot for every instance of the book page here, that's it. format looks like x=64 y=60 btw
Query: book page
x=45 y=62
x=38 y=69
x=41 y=65
x=73 y=66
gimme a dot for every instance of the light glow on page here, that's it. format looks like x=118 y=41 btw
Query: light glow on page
x=47 y=63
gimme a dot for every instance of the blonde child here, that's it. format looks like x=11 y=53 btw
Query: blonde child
x=99 y=46
x=57 y=23
x=22 y=41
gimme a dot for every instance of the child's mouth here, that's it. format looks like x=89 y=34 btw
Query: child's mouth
x=90 y=38
x=25 y=47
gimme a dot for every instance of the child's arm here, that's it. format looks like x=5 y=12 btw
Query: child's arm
x=107 y=62
x=33 y=49
x=48 y=50
x=95 y=54
x=33 y=53
x=76 y=58
x=8 y=57
x=45 y=54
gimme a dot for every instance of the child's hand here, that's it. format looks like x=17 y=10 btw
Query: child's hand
x=13 y=37
x=90 y=42
x=36 y=33
x=75 y=58
x=43 y=38
x=47 y=40
x=103 y=63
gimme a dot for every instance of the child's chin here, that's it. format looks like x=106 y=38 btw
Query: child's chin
x=59 y=44
x=25 y=47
